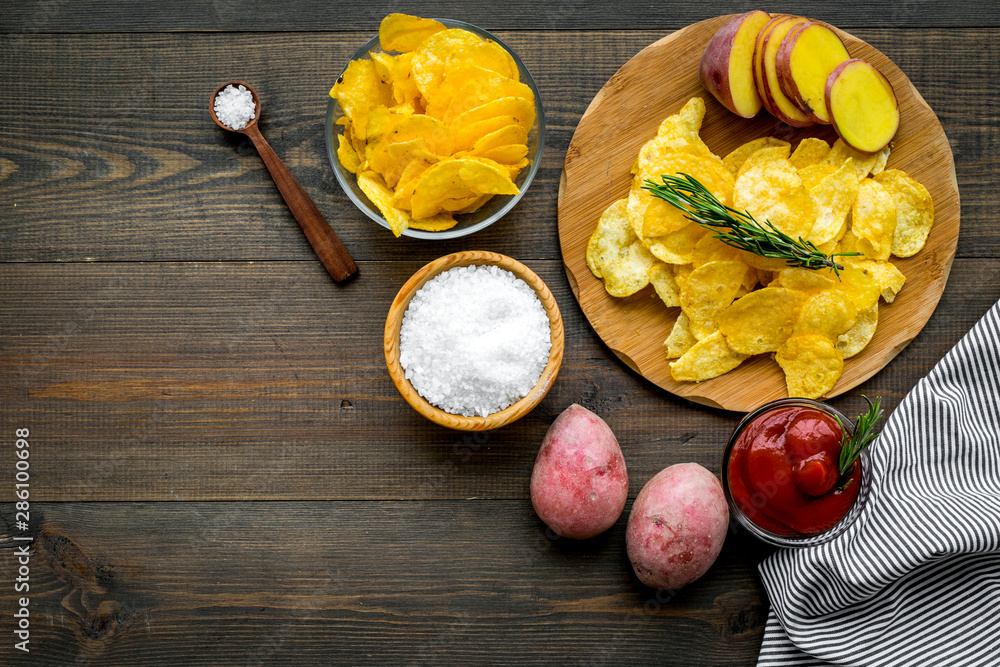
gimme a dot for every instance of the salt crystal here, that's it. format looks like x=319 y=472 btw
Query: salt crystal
x=234 y=107
x=474 y=340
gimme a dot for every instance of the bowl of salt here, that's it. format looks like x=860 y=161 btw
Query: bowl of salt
x=474 y=340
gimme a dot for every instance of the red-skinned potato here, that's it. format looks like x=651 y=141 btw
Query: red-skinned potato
x=579 y=483
x=726 y=67
x=806 y=56
x=677 y=526
x=776 y=102
x=862 y=106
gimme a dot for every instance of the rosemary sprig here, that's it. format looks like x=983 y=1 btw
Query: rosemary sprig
x=863 y=436
x=739 y=229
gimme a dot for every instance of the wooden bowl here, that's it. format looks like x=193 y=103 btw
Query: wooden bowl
x=395 y=319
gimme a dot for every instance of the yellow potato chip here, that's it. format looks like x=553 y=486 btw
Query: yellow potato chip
x=408 y=180
x=660 y=218
x=812 y=365
x=359 y=89
x=346 y=154
x=708 y=358
x=379 y=193
x=762 y=320
x=511 y=154
x=399 y=156
x=662 y=279
x=810 y=151
x=857 y=338
x=440 y=55
x=468 y=86
x=517 y=110
x=763 y=156
x=881 y=159
x=404 y=86
x=861 y=287
x=681 y=272
x=814 y=174
x=828 y=313
x=914 y=212
x=508 y=134
x=679 y=132
x=708 y=291
x=762 y=263
x=680 y=339
x=616 y=255
x=711 y=249
x=772 y=191
x=402 y=32
x=833 y=198
x=862 y=163
x=458 y=179
x=889 y=278
x=735 y=160
x=873 y=219
x=438 y=223
x=676 y=247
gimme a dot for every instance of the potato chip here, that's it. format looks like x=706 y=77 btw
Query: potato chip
x=881 y=159
x=458 y=179
x=402 y=32
x=404 y=86
x=708 y=358
x=438 y=223
x=711 y=249
x=408 y=180
x=810 y=151
x=662 y=279
x=615 y=254
x=735 y=160
x=762 y=320
x=764 y=156
x=873 y=219
x=680 y=339
x=814 y=174
x=889 y=278
x=762 y=263
x=861 y=287
x=443 y=53
x=771 y=190
x=812 y=365
x=659 y=218
x=862 y=163
x=517 y=110
x=806 y=280
x=681 y=272
x=679 y=133
x=833 y=198
x=829 y=313
x=346 y=154
x=359 y=89
x=676 y=247
x=379 y=193
x=857 y=338
x=468 y=86
x=399 y=156
x=914 y=212
x=708 y=291
x=508 y=134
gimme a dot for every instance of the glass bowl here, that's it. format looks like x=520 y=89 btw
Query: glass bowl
x=797 y=541
x=468 y=223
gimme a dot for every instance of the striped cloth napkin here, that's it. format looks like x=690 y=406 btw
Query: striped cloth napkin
x=916 y=580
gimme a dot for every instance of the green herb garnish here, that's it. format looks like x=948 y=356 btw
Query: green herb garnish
x=863 y=436
x=739 y=229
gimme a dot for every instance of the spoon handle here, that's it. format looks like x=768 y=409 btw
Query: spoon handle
x=324 y=241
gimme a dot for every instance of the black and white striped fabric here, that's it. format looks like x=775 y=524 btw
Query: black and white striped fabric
x=916 y=580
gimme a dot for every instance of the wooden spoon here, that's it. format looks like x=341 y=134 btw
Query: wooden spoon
x=324 y=241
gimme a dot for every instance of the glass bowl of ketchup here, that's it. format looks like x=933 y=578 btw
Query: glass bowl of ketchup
x=780 y=474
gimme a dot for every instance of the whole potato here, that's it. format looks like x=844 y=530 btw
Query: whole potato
x=579 y=483
x=677 y=526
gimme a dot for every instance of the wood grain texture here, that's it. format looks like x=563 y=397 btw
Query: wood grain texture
x=362 y=583
x=36 y=16
x=656 y=83
x=241 y=381
x=394 y=322
x=142 y=174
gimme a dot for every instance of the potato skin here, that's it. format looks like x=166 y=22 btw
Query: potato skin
x=579 y=483
x=677 y=526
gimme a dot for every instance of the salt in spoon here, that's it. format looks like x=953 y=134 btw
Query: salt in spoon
x=324 y=241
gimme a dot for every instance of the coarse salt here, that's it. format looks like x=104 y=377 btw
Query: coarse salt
x=234 y=107
x=474 y=340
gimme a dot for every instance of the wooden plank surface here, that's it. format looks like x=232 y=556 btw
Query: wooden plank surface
x=222 y=472
x=141 y=172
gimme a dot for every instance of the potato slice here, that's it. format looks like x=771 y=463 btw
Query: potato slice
x=708 y=358
x=862 y=106
x=726 y=66
x=914 y=212
x=805 y=59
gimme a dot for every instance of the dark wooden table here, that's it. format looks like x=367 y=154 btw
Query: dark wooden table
x=221 y=470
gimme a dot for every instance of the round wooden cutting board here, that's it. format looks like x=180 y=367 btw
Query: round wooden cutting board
x=626 y=113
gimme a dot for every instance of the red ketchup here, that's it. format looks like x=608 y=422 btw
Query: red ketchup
x=783 y=472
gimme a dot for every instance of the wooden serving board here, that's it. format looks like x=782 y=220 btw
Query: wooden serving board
x=626 y=113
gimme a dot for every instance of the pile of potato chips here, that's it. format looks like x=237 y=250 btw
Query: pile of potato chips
x=437 y=129
x=735 y=304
